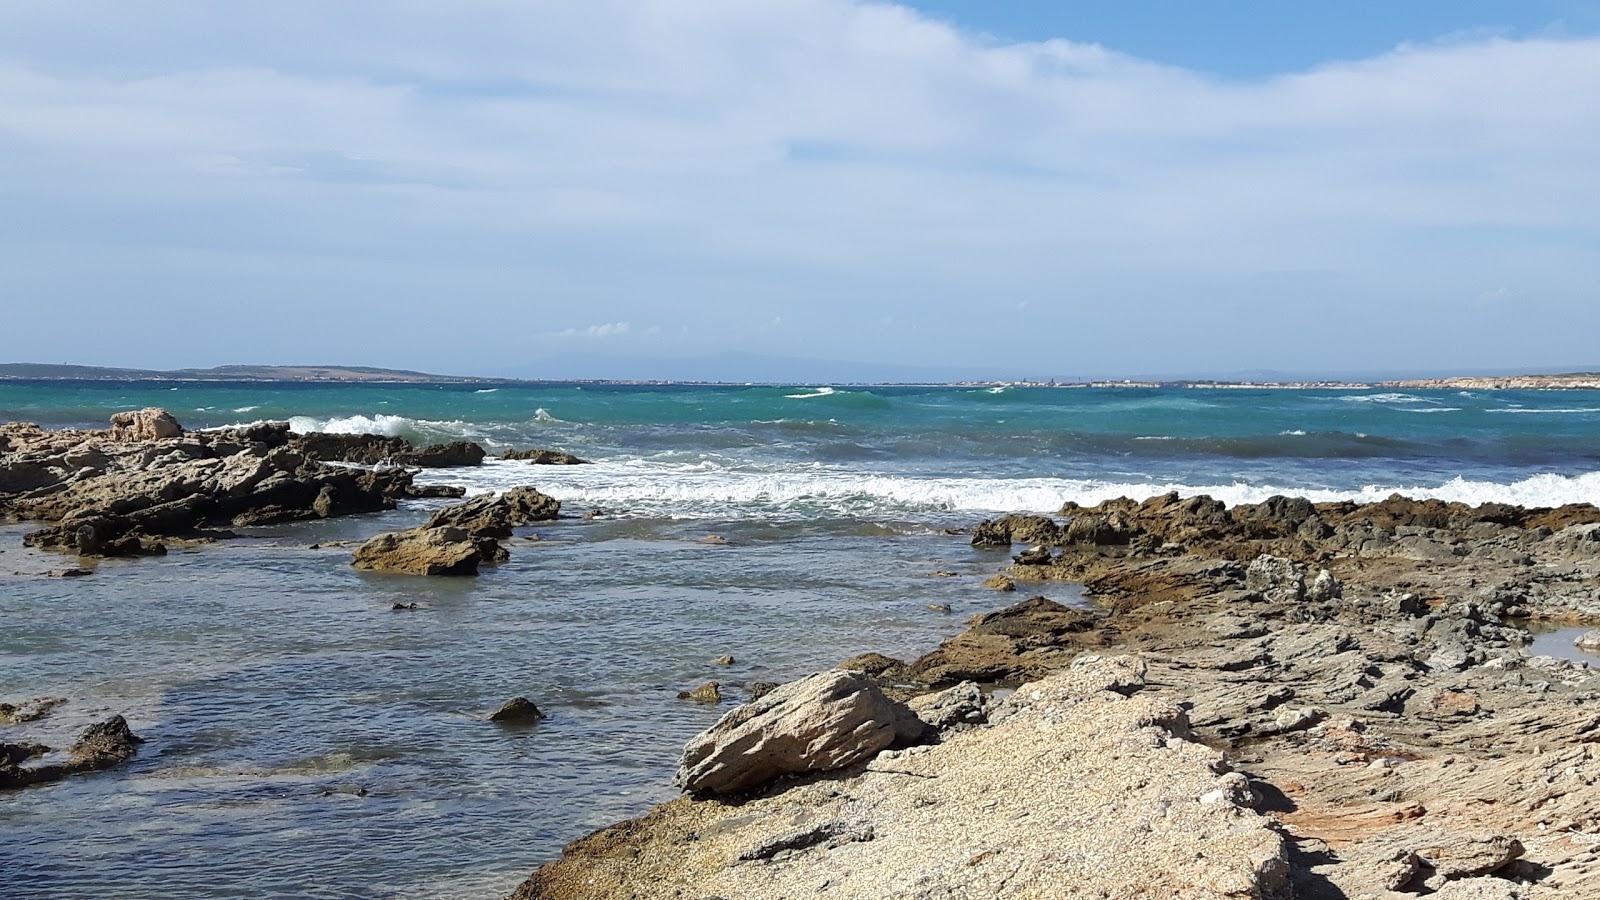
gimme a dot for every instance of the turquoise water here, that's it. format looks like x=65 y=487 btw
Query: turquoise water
x=303 y=740
x=908 y=451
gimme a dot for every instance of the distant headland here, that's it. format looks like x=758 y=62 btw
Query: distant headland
x=328 y=374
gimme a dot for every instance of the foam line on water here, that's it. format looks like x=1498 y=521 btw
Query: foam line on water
x=639 y=487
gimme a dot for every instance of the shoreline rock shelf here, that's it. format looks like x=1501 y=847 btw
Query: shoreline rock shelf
x=1273 y=700
x=144 y=481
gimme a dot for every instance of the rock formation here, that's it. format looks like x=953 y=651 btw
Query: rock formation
x=541 y=457
x=495 y=515
x=427 y=550
x=126 y=490
x=101 y=746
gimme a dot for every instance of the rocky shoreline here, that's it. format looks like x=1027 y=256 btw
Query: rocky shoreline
x=1283 y=699
x=1274 y=700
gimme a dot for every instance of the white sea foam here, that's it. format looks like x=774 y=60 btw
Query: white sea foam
x=1386 y=398
x=712 y=489
x=1294 y=432
x=1579 y=410
x=815 y=392
x=245 y=409
x=1434 y=409
x=543 y=415
x=997 y=390
x=486 y=391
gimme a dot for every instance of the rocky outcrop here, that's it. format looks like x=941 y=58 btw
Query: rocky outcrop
x=101 y=746
x=1365 y=668
x=124 y=492
x=439 y=456
x=1077 y=791
x=541 y=457
x=378 y=449
x=495 y=515
x=827 y=721
x=428 y=551
x=150 y=424
x=517 y=711
x=28 y=710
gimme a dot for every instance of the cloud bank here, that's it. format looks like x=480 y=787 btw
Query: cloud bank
x=884 y=184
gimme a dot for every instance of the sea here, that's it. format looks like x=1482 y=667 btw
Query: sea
x=305 y=739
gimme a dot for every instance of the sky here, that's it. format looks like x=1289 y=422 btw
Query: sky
x=821 y=188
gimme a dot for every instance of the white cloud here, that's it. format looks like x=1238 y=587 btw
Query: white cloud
x=725 y=157
x=593 y=332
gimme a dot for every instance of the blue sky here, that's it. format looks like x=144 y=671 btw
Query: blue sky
x=654 y=188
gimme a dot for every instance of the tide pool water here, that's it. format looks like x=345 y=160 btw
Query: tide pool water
x=305 y=740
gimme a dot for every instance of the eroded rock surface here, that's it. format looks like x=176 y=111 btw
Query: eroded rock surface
x=1079 y=791
x=827 y=721
x=495 y=515
x=542 y=457
x=127 y=490
x=101 y=746
x=428 y=551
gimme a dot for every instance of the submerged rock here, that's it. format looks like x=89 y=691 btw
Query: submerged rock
x=517 y=711
x=710 y=692
x=827 y=721
x=101 y=746
x=428 y=551
x=29 y=710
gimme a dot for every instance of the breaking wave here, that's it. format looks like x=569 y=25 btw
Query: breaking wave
x=815 y=392
x=707 y=489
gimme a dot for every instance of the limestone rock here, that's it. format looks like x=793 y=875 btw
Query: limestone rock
x=427 y=551
x=826 y=721
x=150 y=424
x=1281 y=580
x=494 y=516
x=1001 y=583
x=963 y=704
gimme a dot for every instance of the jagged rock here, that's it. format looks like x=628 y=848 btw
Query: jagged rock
x=1281 y=580
x=363 y=449
x=119 y=492
x=427 y=551
x=494 y=515
x=1589 y=640
x=761 y=688
x=101 y=746
x=1015 y=528
x=964 y=704
x=1020 y=641
x=710 y=692
x=150 y=424
x=724 y=660
x=441 y=456
x=540 y=457
x=827 y=721
x=517 y=711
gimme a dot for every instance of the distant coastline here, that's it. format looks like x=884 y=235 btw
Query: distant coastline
x=319 y=374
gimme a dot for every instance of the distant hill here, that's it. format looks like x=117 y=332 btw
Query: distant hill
x=49 y=371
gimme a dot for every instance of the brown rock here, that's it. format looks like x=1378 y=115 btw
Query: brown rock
x=150 y=424
x=710 y=692
x=540 y=457
x=427 y=551
x=517 y=711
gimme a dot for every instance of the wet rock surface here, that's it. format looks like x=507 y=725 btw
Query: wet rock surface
x=131 y=489
x=101 y=746
x=543 y=457
x=495 y=515
x=1358 y=679
x=445 y=550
